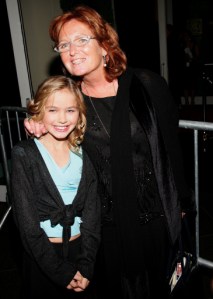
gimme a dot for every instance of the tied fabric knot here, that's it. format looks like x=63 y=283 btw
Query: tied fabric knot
x=65 y=217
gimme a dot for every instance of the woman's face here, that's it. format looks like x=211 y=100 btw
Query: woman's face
x=80 y=60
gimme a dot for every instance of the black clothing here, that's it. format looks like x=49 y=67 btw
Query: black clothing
x=37 y=285
x=97 y=145
x=36 y=197
x=141 y=180
x=149 y=279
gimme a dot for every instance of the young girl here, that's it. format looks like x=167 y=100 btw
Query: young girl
x=55 y=202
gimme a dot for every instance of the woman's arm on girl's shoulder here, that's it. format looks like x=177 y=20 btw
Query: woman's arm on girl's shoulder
x=34 y=128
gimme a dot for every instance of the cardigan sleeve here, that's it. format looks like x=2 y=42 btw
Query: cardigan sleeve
x=91 y=221
x=34 y=239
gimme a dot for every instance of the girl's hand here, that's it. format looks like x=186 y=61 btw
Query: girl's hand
x=78 y=283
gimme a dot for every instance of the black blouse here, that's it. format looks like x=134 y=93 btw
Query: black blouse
x=97 y=144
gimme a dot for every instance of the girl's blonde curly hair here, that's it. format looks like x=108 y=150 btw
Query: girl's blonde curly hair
x=36 y=106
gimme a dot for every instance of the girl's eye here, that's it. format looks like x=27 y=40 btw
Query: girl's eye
x=71 y=110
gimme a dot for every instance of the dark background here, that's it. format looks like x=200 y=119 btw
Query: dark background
x=138 y=31
x=137 y=25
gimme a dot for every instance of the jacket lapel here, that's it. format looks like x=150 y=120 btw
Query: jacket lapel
x=141 y=105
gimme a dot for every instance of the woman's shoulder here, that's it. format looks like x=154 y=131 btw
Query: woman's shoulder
x=147 y=75
x=157 y=89
x=154 y=83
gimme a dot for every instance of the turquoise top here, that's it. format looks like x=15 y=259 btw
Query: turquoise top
x=67 y=180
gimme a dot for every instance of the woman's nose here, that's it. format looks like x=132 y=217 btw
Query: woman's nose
x=72 y=49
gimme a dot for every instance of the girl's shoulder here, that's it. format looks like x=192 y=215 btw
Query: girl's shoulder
x=24 y=144
x=27 y=147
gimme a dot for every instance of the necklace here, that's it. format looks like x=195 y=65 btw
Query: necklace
x=96 y=112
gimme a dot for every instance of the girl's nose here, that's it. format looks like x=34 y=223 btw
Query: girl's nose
x=62 y=118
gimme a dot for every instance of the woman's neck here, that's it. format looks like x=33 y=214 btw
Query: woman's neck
x=99 y=89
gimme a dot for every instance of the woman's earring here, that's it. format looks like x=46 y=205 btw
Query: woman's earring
x=105 y=63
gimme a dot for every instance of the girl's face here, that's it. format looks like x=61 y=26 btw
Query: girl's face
x=61 y=114
x=81 y=60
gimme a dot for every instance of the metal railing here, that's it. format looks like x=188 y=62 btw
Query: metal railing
x=196 y=126
x=11 y=131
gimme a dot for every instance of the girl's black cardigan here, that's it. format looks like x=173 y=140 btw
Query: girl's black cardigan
x=36 y=198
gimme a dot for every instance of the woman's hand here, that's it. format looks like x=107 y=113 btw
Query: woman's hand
x=34 y=128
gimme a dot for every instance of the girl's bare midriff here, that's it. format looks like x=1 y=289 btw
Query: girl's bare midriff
x=60 y=240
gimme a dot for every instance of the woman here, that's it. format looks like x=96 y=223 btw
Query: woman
x=131 y=138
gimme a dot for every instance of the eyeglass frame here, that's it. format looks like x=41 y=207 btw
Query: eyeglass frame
x=88 y=37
